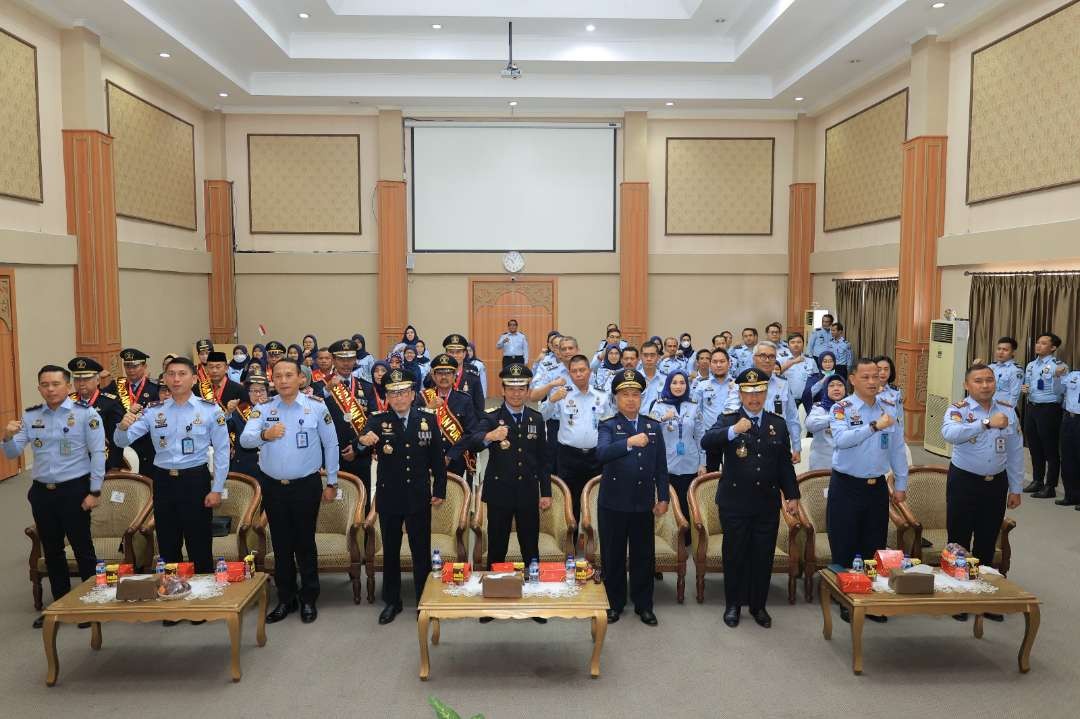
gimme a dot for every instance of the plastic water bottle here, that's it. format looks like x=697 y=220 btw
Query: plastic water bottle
x=534 y=570
x=221 y=573
x=571 y=569
x=906 y=564
x=961 y=564
x=159 y=567
x=100 y=580
x=436 y=562
x=857 y=564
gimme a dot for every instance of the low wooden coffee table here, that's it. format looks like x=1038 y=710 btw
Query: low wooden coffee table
x=230 y=606
x=435 y=605
x=1008 y=599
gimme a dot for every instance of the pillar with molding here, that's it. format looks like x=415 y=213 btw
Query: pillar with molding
x=634 y=230
x=218 y=207
x=393 y=246
x=801 y=228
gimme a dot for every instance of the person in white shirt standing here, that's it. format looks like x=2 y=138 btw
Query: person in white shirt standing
x=514 y=345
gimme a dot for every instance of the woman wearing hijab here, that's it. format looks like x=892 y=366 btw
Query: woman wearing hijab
x=364 y=359
x=817 y=423
x=681 y=422
x=815 y=383
x=605 y=369
x=470 y=356
x=238 y=366
x=258 y=356
x=686 y=349
x=378 y=369
x=409 y=336
x=890 y=394
x=409 y=361
x=422 y=353
x=308 y=344
x=296 y=352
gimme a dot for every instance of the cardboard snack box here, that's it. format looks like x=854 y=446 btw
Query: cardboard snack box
x=502 y=586
x=911 y=583
x=137 y=588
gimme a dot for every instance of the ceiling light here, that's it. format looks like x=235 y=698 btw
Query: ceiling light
x=670 y=104
x=513 y=103
x=854 y=61
x=938 y=5
x=164 y=54
x=436 y=26
x=223 y=94
x=302 y=15
x=590 y=28
x=799 y=99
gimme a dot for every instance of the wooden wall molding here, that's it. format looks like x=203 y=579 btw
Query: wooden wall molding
x=393 y=288
x=634 y=260
x=91 y=217
x=219 y=243
x=922 y=222
x=801 y=210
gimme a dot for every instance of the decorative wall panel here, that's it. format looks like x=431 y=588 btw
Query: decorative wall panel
x=719 y=186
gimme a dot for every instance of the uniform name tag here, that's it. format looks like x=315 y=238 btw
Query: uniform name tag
x=999 y=445
x=187 y=446
x=116 y=497
x=301 y=440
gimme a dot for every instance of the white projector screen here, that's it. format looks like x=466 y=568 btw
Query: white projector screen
x=493 y=189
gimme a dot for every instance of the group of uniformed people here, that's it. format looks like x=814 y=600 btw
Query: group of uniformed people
x=644 y=419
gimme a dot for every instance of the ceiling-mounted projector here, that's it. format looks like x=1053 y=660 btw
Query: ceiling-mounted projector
x=511 y=71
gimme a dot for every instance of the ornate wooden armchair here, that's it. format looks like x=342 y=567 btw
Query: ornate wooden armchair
x=557 y=529
x=337 y=534
x=126 y=502
x=449 y=521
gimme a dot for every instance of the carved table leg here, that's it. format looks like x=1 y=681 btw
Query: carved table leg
x=1031 y=628
x=48 y=633
x=234 y=637
x=598 y=642
x=422 y=631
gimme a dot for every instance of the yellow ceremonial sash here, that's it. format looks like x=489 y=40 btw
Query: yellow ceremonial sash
x=124 y=393
x=352 y=410
x=449 y=425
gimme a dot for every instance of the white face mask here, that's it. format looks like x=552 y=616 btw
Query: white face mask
x=685 y=344
x=239 y=357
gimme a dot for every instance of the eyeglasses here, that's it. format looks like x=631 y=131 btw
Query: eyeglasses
x=398 y=392
x=765 y=356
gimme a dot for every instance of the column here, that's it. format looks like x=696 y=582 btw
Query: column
x=801 y=216
x=391 y=205
x=90 y=198
x=634 y=230
x=219 y=243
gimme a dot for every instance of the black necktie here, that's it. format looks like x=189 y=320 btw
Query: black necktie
x=754 y=421
x=517 y=419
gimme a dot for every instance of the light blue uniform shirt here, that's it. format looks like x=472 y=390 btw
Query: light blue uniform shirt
x=545 y=364
x=742 y=358
x=578 y=414
x=1009 y=377
x=363 y=367
x=667 y=365
x=892 y=397
x=559 y=370
x=310 y=441
x=798 y=373
x=859 y=450
x=822 y=445
x=513 y=344
x=682 y=436
x=183 y=435
x=818 y=342
x=68 y=443
x=482 y=369
x=985 y=450
x=714 y=397
x=1071 y=386
x=1044 y=385
x=653 y=388
x=841 y=348
x=779 y=398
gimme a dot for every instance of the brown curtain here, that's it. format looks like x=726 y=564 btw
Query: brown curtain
x=867 y=309
x=1024 y=306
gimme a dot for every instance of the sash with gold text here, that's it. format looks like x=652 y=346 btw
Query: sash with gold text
x=449 y=425
x=352 y=410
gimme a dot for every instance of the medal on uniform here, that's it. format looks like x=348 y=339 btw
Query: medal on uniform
x=505 y=444
x=38 y=443
x=772 y=431
x=163 y=442
x=741 y=451
x=388 y=449
x=71 y=419
x=423 y=425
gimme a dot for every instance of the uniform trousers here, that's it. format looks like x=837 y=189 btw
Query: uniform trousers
x=576 y=468
x=552 y=428
x=975 y=506
x=1070 y=455
x=1042 y=429
x=748 y=548
x=857 y=515
x=58 y=513
x=293 y=510
x=681 y=483
x=181 y=519
x=500 y=520
x=418 y=525
x=617 y=529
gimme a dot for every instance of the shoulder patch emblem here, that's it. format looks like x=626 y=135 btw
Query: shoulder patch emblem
x=255 y=414
x=220 y=419
x=153 y=404
x=326 y=418
x=94 y=423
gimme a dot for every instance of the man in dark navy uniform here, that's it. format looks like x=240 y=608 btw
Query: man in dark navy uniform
x=135 y=391
x=757 y=468
x=456 y=416
x=467 y=379
x=85 y=372
x=633 y=488
x=350 y=400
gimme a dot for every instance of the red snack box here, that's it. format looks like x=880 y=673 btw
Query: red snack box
x=502 y=567
x=854 y=583
x=948 y=565
x=125 y=570
x=185 y=570
x=553 y=574
x=888 y=560
x=448 y=572
x=236 y=571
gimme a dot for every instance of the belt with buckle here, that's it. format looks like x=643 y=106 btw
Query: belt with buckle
x=50 y=486
x=871 y=481
x=174 y=472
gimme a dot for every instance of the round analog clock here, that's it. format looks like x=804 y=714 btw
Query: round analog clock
x=513 y=261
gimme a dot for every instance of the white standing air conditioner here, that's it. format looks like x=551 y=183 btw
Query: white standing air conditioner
x=945 y=378
x=812 y=320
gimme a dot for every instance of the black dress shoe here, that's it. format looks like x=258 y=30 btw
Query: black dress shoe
x=539 y=620
x=993 y=616
x=612 y=616
x=877 y=618
x=762 y=618
x=308 y=612
x=1046 y=492
x=169 y=623
x=39 y=622
x=1033 y=486
x=389 y=612
x=845 y=614
x=647 y=617
x=1066 y=502
x=197 y=622
x=84 y=625
x=282 y=610
x=1077 y=508
x=731 y=616
x=961 y=617
x=486 y=620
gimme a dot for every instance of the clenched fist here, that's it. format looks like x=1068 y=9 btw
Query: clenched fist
x=128 y=420
x=998 y=420
x=743 y=426
x=558 y=394
x=275 y=431
x=12 y=429
x=498 y=434
x=638 y=440
x=369 y=439
x=885 y=421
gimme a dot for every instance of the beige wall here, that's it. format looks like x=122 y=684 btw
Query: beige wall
x=150 y=233
x=237 y=128
x=703 y=304
x=51 y=215
x=45 y=301
x=660 y=130
x=876 y=234
x=163 y=312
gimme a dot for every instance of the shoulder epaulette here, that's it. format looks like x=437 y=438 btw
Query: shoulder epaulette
x=82 y=403
x=427 y=409
x=316 y=397
x=148 y=405
x=206 y=401
x=888 y=402
x=109 y=395
x=961 y=403
x=731 y=411
x=32 y=408
x=493 y=410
